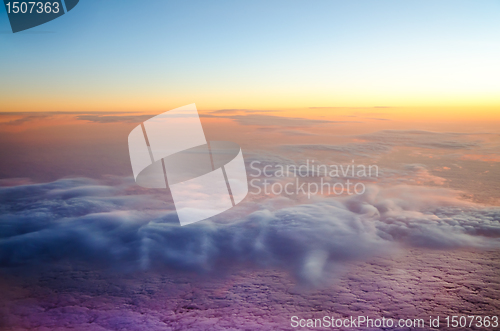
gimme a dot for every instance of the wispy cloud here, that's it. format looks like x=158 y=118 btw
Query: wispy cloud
x=380 y=142
x=378 y=119
x=26 y=118
x=422 y=139
x=242 y=111
x=272 y=120
x=297 y=133
x=114 y=118
x=358 y=149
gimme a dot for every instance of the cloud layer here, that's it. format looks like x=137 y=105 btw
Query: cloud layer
x=83 y=220
x=382 y=142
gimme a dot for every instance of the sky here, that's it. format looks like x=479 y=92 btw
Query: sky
x=425 y=56
x=410 y=88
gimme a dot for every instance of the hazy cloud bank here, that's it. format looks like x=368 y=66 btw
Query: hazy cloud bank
x=112 y=225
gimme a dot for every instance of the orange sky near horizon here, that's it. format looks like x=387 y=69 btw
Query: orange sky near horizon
x=422 y=114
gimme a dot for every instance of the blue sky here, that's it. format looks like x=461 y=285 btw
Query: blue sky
x=255 y=52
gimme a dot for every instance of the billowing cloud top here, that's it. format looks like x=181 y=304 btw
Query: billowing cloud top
x=114 y=225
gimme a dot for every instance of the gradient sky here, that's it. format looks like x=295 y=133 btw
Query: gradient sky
x=155 y=55
x=411 y=87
